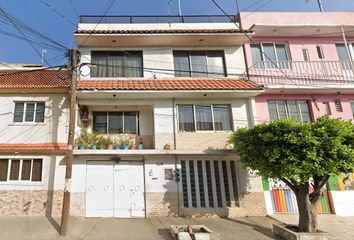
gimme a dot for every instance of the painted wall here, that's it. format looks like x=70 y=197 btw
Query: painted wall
x=53 y=129
x=316 y=104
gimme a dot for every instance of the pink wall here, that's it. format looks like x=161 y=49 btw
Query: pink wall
x=316 y=106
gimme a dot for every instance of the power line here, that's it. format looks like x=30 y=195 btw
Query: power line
x=57 y=12
x=74 y=8
x=262 y=6
x=254 y=4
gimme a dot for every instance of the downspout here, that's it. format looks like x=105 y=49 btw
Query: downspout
x=175 y=155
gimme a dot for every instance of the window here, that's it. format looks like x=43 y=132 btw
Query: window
x=343 y=54
x=199 y=63
x=352 y=106
x=208 y=184
x=269 y=55
x=326 y=108
x=20 y=170
x=215 y=117
x=283 y=109
x=305 y=54
x=320 y=53
x=115 y=122
x=338 y=105
x=117 y=64
x=29 y=112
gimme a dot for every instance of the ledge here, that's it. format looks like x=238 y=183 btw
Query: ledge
x=151 y=152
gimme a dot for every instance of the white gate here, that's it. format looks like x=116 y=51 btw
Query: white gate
x=115 y=190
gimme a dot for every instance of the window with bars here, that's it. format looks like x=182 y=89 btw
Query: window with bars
x=338 y=105
x=116 y=122
x=29 y=112
x=215 y=117
x=199 y=64
x=270 y=55
x=117 y=64
x=283 y=109
x=209 y=184
x=20 y=170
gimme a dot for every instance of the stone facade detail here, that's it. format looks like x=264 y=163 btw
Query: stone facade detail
x=197 y=141
x=33 y=203
x=78 y=204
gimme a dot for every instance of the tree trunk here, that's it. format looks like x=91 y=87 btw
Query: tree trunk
x=307 y=210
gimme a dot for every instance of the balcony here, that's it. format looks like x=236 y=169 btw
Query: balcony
x=303 y=73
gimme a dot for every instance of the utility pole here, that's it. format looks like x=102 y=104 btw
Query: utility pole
x=74 y=59
x=320 y=5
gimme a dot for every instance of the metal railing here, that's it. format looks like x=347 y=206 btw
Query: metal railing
x=158 y=19
x=303 y=72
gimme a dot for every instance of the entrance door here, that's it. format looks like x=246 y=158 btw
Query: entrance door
x=129 y=190
x=99 y=189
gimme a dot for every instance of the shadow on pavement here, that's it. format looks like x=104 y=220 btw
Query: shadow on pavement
x=165 y=234
x=54 y=223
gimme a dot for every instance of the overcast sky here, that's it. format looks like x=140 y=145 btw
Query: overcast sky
x=44 y=19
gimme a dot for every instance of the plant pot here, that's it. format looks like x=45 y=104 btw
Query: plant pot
x=81 y=147
x=141 y=146
x=126 y=147
x=110 y=146
x=133 y=147
x=94 y=147
x=117 y=147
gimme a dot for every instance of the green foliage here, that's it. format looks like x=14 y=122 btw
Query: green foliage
x=297 y=151
x=84 y=139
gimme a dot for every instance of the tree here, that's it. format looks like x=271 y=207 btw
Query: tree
x=299 y=154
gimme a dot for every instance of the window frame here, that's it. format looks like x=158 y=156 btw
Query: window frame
x=190 y=71
x=19 y=180
x=264 y=64
x=23 y=120
x=212 y=117
x=108 y=54
x=287 y=111
x=123 y=119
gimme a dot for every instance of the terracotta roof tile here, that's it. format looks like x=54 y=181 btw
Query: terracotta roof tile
x=32 y=147
x=162 y=31
x=168 y=85
x=30 y=79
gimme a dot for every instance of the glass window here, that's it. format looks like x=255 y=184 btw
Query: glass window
x=15 y=170
x=338 y=105
x=320 y=53
x=130 y=122
x=199 y=63
x=100 y=122
x=352 y=106
x=40 y=109
x=4 y=165
x=256 y=52
x=115 y=122
x=186 y=118
x=37 y=170
x=117 y=64
x=305 y=54
x=203 y=117
x=326 y=108
x=19 y=110
x=21 y=170
x=29 y=116
x=221 y=117
x=273 y=55
x=283 y=109
x=26 y=170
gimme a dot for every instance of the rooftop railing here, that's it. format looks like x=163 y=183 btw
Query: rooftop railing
x=303 y=72
x=158 y=19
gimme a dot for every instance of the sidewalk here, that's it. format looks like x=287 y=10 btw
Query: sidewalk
x=40 y=228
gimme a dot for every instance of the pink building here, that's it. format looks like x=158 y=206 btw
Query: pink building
x=305 y=62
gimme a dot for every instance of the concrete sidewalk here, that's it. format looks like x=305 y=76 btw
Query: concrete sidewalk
x=41 y=228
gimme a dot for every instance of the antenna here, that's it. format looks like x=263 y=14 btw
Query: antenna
x=179 y=8
x=44 y=52
x=320 y=5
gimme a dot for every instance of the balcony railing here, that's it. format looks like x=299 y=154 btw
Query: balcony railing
x=303 y=72
x=158 y=19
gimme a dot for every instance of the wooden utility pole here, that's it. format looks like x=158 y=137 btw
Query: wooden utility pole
x=74 y=59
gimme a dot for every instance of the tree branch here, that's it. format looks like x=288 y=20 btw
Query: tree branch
x=318 y=184
x=291 y=186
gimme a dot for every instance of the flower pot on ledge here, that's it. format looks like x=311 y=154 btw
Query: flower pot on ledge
x=287 y=232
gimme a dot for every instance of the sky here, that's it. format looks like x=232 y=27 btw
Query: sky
x=58 y=18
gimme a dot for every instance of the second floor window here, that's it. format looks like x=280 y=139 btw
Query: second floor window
x=269 y=55
x=214 y=117
x=343 y=54
x=117 y=64
x=199 y=63
x=283 y=109
x=29 y=112
x=115 y=122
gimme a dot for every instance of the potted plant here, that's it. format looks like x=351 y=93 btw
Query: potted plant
x=141 y=144
x=109 y=143
x=125 y=144
x=93 y=141
x=167 y=147
x=84 y=139
x=116 y=144
x=132 y=146
x=101 y=142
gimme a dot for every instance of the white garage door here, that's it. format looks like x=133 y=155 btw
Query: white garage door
x=115 y=190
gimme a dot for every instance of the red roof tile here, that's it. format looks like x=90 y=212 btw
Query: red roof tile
x=168 y=85
x=32 y=147
x=34 y=79
x=163 y=31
